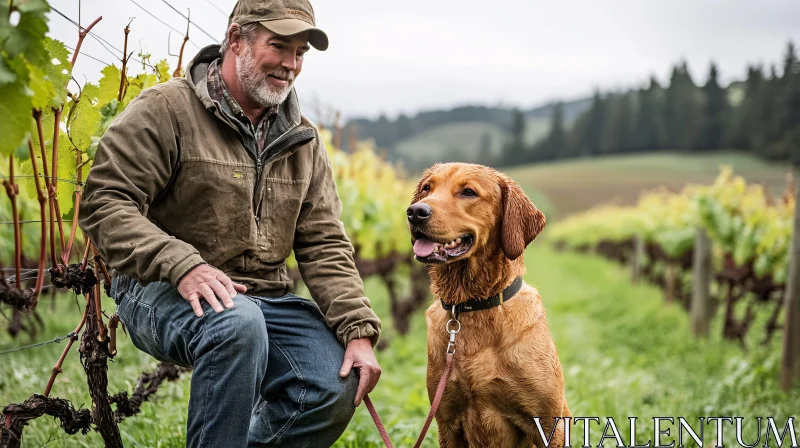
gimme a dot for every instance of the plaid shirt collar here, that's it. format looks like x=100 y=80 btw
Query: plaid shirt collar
x=219 y=93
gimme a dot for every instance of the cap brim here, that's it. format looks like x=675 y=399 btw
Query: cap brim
x=289 y=27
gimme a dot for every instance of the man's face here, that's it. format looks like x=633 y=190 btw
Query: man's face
x=268 y=64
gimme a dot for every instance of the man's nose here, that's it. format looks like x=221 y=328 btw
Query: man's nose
x=290 y=63
x=418 y=213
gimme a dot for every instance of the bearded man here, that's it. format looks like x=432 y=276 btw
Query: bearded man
x=199 y=192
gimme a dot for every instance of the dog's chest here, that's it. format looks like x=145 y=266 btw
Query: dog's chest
x=481 y=379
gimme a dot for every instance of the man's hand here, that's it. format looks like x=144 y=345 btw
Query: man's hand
x=359 y=354
x=209 y=283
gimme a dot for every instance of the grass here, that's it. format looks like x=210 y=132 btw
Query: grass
x=624 y=353
x=575 y=185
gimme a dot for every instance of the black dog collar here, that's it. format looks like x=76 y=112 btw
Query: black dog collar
x=489 y=302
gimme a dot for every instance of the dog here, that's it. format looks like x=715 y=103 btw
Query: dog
x=471 y=224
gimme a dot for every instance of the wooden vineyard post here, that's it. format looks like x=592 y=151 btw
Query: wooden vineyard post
x=701 y=283
x=670 y=282
x=790 y=368
x=637 y=259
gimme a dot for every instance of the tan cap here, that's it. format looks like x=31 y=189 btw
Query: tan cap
x=282 y=17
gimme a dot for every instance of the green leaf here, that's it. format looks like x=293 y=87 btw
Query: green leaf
x=6 y=74
x=27 y=184
x=162 y=71
x=15 y=108
x=84 y=121
x=67 y=169
x=27 y=37
x=109 y=85
x=57 y=74
x=43 y=90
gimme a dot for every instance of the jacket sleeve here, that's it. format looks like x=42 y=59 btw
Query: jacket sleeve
x=324 y=256
x=135 y=160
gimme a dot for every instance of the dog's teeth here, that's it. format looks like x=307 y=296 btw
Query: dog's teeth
x=458 y=240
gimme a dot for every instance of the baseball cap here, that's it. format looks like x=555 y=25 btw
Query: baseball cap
x=282 y=17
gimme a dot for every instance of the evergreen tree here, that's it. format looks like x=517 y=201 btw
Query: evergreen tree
x=588 y=128
x=618 y=132
x=555 y=144
x=514 y=151
x=745 y=115
x=649 y=118
x=715 y=113
x=681 y=111
x=788 y=108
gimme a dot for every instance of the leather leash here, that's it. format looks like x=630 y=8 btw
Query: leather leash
x=451 y=350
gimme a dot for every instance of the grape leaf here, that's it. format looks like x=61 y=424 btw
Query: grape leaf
x=27 y=37
x=67 y=169
x=57 y=74
x=84 y=120
x=6 y=74
x=15 y=108
x=108 y=84
x=43 y=90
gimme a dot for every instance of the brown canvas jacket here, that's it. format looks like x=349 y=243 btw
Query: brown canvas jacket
x=172 y=186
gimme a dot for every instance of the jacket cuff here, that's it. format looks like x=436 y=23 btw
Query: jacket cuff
x=183 y=267
x=360 y=331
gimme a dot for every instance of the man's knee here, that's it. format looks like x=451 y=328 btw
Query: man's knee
x=241 y=327
x=336 y=403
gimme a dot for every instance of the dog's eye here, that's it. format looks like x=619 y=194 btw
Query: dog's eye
x=426 y=187
x=469 y=192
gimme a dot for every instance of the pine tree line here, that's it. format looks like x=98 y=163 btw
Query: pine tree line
x=760 y=115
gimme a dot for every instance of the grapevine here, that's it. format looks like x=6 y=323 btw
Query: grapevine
x=750 y=234
x=52 y=126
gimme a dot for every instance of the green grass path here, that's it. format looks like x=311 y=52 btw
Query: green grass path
x=623 y=350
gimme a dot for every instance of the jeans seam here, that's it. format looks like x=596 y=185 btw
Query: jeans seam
x=300 y=399
x=151 y=314
x=210 y=370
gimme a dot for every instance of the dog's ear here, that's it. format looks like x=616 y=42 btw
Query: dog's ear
x=522 y=221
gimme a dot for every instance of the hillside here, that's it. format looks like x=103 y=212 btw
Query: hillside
x=575 y=185
x=411 y=135
x=463 y=141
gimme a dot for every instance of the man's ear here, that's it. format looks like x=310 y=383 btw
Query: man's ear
x=522 y=221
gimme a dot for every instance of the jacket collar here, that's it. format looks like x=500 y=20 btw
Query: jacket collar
x=486 y=302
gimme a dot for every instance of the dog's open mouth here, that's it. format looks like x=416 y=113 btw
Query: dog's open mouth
x=427 y=250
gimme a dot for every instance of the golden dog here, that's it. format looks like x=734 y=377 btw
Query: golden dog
x=471 y=224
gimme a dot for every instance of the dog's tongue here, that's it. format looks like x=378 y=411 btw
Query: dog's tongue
x=423 y=247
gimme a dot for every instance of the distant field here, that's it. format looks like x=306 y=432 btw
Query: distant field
x=571 y=186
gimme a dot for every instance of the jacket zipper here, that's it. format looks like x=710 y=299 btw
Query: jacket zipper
x=261 y=164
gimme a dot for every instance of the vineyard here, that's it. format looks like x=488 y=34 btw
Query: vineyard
x=720 y=251
x=724 y=246
x=51 y=128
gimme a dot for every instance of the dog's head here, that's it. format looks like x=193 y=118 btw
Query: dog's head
x=458 y=208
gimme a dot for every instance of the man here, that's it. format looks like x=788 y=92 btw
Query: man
x=199 y=192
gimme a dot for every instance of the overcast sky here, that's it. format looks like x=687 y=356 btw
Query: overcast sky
x=405 y=56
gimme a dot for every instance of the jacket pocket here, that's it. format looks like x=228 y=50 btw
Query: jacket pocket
x=212 y=208
x=283 y=200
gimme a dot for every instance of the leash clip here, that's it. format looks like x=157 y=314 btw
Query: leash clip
x=451 y=345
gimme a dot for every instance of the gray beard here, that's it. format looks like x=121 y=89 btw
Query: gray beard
x=255 y=82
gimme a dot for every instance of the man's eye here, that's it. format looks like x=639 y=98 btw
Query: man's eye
x=469 y=192
x=277 y=46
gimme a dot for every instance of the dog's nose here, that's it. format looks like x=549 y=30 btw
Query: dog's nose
x=418 y=213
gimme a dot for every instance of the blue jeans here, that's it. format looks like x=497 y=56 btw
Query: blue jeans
x=266 y=372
